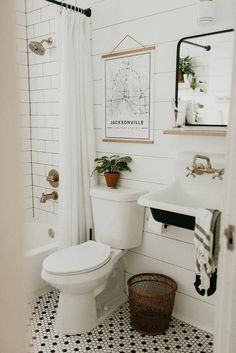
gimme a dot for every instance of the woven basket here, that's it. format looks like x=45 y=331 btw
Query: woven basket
x=151 y=301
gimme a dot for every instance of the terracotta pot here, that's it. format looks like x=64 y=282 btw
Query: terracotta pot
x=112 y=179
x=180 y=77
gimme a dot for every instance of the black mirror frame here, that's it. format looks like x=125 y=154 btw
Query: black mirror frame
x=177 y=68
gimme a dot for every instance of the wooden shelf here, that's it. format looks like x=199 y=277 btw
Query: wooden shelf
x=126 y=140
x=179 y=131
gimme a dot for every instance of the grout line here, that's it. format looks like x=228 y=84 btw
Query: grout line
x=46 y=211
x=42 y=89
x=45 y=62
x=45 y=116
x=42 y=76
x=38 y=23
x=97 y=2
x=155 y=101
x=144 y=181
x=39 y=8
x=46 y=102
x=155 y=74
x=154 y=129
x=145 y=16
x=51 y=153
x=166 y=262
x=186 y=295
x=138 y=155
x=166 y=236
x=30 y=115
x=156 y=44
x=141 y=181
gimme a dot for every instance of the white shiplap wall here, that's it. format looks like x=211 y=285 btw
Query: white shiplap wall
x=162 y=23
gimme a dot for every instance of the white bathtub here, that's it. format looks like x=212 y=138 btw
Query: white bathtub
x=38 y=246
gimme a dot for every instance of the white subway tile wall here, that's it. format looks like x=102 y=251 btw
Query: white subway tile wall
x=44 y=104
x=23 y=99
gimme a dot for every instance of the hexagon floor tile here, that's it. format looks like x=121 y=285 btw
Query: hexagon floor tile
x=114 y=335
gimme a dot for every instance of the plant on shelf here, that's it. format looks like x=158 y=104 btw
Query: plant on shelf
x=111 y=167
x=185 y=68
x=196 y=108
x=192 y=113
x=198 y=84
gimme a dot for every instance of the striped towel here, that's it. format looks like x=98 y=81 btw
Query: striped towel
x=206 y=241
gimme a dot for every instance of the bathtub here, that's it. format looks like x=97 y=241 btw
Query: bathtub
x=38 y=246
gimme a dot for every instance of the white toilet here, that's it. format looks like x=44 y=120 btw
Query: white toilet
x=90 y=276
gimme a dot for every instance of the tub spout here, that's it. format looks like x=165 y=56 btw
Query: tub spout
x=52 y=196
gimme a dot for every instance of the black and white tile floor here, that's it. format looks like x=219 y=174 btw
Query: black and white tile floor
x=114 y=335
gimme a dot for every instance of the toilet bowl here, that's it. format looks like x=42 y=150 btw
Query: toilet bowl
x=90 y=277
x=80 y=273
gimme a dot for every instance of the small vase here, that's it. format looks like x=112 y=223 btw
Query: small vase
x=186 y=78
x=112 y=179
x=190 y=115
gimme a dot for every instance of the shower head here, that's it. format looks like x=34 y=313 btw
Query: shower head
x=38 y=48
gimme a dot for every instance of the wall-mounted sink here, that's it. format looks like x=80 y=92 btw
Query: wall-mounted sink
x=178 y=203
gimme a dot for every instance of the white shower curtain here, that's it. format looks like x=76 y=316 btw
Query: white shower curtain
x=77 y=131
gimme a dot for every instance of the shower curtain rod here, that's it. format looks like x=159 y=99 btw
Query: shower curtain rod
x=86 y=12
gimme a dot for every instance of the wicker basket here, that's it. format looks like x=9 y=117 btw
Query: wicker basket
x=151 y=301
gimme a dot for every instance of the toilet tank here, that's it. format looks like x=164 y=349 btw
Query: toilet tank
x=118 y=219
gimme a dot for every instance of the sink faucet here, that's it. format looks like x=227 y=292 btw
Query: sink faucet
x=200 y=168
x=52 y=196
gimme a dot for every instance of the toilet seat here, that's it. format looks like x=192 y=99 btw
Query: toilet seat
x=78 y=259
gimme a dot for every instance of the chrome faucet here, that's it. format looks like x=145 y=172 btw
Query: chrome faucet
x=52 y=196
x=200 y=168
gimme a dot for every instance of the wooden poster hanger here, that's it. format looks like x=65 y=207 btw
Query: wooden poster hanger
x=128 y=51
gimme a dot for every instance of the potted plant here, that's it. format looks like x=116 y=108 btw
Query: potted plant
x=185 y=68
x=111 y=167
x=192 y=113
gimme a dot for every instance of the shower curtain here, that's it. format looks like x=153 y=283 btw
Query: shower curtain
x=77 y=141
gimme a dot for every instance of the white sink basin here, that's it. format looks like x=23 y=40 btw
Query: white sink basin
x=178 y=200
x=186 y=195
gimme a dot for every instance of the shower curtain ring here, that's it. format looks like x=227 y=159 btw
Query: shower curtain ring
x=76 y=5
x=61 y=6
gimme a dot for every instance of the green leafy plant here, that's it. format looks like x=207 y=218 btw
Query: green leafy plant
x=200 y=106
x=194 y=83
x=113 y=164
x=196 y=107
x=186 y=66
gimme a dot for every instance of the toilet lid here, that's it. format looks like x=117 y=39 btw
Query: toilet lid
x=79 y=258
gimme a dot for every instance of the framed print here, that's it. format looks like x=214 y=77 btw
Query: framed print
x=129 y=85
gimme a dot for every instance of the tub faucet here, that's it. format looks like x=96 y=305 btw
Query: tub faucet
x=52 y=196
